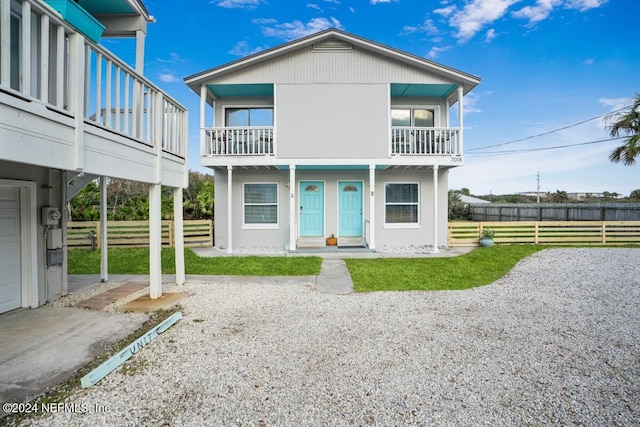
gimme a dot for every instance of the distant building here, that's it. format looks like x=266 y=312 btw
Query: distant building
x=470 y=199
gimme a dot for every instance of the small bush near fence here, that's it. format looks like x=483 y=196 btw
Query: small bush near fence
x=84 y=234
x=547 y=232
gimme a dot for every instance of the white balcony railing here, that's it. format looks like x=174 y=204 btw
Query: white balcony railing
x=238 y=141
x=413 y=141
x=54 y=65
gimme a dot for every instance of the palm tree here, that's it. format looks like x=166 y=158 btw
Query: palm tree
x=626 y=122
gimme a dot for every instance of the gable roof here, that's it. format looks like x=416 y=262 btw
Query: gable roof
x=329 y=37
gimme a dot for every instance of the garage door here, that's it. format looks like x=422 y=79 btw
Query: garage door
x=10 y=280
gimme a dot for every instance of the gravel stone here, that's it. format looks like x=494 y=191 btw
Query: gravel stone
x=554 y=342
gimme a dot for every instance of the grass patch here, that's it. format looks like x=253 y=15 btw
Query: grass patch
x=478 y=267
x=136 y=261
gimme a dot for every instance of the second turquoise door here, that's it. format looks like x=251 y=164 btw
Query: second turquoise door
x=311 y=208
x=350 y=209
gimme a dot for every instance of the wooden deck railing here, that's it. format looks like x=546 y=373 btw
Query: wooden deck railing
x=238 y=141
x=79 y=78
x=86 y=234
x=414 y=141
x=547 y=232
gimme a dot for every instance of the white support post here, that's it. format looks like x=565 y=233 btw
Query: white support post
x=178 y=236
x=293 y=212
x=5 y=43
x=435 y=210
x=372 y=207
x=203 y=119
x=44 y=58
x=155 y=241
x=25 y=54
x=104 y=247
x=229 y=209
x=461 y=117
x=76 y=94
x=140 y=39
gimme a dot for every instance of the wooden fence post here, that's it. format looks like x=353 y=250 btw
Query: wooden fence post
x=535 y=233
x=98 y=235
x=171 y=239
x=604 y=233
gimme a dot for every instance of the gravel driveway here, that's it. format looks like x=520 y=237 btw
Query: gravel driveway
x=555 y=342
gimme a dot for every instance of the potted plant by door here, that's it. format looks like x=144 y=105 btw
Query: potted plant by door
x=486 y=238
x=332 y=241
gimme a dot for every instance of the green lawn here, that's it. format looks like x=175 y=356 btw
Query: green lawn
x=136 y=261
x=478 y=267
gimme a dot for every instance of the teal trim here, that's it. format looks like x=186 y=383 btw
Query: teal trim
x=108 y=7
x=79 y=18
x=241 y=90
x=333 y=167
x=403 y=90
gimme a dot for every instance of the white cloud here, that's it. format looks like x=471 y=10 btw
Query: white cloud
x=475 y=15
x=445 y=11
x=264 y=21
x=238 y=4
x=383 y=1
x=352 y=10
x=333 y=1
x=315 y=6
x=427 y=27
x=435 y=51
x=584 y=5
x=615 y=103
x=168 y=78
x=539 y=12
x=173 y=57
x=491 y=34
x=296 y=29
x=242 y=48
x=589 y=61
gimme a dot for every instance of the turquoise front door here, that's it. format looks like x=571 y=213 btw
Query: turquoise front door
x=311 y=208
x=350 y=209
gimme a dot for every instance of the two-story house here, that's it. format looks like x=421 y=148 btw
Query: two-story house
x=71 y=111
x=331 y=134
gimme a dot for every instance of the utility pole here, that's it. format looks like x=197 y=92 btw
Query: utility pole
x=538 y=188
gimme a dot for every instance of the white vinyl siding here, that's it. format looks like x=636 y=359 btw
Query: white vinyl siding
x=260 y=205
x=401 y=204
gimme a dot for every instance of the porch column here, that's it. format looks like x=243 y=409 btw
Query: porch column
x=104 y=246
x=293 y=235
x=372 y=207
x=229 y=209
x=155 y=241
x=140 y=39
x=435 y=210
x=178 y=237
x=203 y=120
x=460 y=116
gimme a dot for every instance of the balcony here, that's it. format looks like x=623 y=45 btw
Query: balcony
x=414 y=141
x=78 y=100
x=238 y=141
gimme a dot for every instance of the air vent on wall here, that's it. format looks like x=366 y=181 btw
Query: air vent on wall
x=332 y=46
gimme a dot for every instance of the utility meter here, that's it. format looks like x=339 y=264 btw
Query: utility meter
x=50 y=216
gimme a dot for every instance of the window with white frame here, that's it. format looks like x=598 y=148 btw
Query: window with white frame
x=401 y=203
x=259 y=116
x=260 y=203
x=413 y=117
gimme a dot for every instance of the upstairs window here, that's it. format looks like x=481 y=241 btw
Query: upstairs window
x=244 y=117
x=413 y=117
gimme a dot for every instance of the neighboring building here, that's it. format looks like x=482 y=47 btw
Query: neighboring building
x=331 y=134
x=71 y=111
x=470 y=199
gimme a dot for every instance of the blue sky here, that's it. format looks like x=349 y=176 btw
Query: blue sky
x=544 y=64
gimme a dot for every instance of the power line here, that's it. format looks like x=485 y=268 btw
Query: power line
x=528 y=150
x=548 y=132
